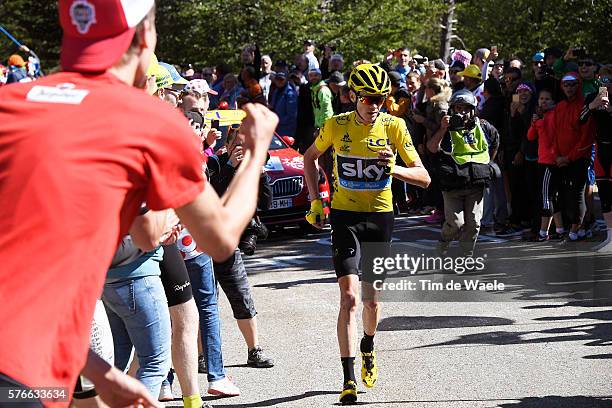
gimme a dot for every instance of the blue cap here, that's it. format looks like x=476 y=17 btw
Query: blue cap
x=538 y=57
x=176 y=77
x=315 y=70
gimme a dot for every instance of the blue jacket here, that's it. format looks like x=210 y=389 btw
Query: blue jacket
x=284 y=103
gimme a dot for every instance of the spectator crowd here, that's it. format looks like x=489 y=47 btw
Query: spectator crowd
x=550 y=146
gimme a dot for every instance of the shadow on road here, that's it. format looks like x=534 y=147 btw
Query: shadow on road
x=275 y=401
x=593 y=334
x=396 y=323
x=554 y=401
x=291 y=284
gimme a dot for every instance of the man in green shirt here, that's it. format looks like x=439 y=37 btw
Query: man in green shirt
x=321 y=97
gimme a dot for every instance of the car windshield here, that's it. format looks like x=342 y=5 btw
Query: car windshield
x=277 y=143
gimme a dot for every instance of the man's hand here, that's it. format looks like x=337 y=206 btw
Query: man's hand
x=171 y=236
x=518 y=159
x=445 y=122
x=514 y=108
x=534 y=118
x=316 y=216
x=385 y=156
x=599 y=101
x=212 y=136
x=121 y=390
x=562 y=161
x=258 y=128
x=390 y=54
x=236 y=156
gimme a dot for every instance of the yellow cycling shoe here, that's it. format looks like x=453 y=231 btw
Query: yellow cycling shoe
x=369 y=371
x=349 y=393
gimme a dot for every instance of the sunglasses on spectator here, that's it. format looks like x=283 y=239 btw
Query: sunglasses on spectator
x=569 y=84
x=585 y=63
x=372 y=99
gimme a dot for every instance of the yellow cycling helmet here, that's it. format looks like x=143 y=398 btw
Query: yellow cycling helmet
x=369 y=79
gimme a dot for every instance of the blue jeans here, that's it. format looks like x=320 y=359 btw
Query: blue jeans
x=205 y=293
x=138 y=315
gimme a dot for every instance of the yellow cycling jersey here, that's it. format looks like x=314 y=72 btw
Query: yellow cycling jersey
x=361 y=184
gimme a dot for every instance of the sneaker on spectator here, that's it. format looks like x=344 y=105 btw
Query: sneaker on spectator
x=427 y=210
x=540 y=238
x=223 y=388
x=165 y=392
x=510 y=231
x=435 y=218
x=487 y=230
x=258 y=359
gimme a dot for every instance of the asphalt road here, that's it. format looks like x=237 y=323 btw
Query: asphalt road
x=544 y=339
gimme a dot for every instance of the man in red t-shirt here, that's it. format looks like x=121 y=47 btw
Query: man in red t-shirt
x=79 y=152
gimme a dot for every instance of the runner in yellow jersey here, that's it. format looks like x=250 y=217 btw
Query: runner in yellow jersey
x=364 y=143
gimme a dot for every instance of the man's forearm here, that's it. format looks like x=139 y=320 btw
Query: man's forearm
x=417 y=176
x=433 y=144
x=95 y=368
x=311 y=174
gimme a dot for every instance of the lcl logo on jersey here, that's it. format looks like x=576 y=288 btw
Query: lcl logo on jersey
x=360 y=173
x=378 y=142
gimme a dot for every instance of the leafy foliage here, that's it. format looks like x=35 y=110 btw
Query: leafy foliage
x=205 y=32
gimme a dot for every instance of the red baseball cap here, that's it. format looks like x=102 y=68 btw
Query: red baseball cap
x=98 y=32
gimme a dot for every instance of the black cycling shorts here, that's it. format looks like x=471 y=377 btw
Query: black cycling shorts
x=174 y=277
x=350 y=229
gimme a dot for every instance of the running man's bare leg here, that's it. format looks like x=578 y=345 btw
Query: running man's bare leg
x=371 y=309
x=347 y=320
x=185 y=345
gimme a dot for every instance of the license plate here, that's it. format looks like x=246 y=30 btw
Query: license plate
x=281 y=203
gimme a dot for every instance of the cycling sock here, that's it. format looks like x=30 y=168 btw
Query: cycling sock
x=560 y=230
x=193 y=401
x=367 y=343
x=543 y=233
x=573 y=236
x=581 y=233
x=348 y=364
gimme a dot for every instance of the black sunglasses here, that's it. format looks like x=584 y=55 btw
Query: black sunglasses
x=585 y=63
x=372 y=99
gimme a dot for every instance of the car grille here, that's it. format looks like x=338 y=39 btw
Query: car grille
x=287 y=187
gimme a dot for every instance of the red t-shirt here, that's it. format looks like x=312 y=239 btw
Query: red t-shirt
x=78 y=156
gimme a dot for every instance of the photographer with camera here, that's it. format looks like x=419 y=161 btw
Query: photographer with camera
x=463 y=147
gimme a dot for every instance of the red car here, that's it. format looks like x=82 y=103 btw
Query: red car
x=289 y=191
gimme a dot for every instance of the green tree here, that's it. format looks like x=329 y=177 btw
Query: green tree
x=522 y=27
